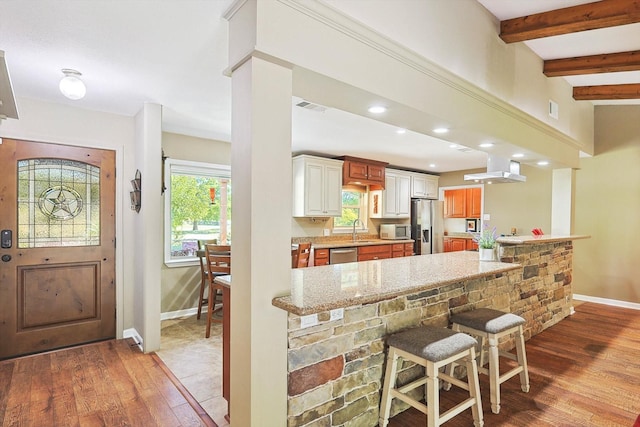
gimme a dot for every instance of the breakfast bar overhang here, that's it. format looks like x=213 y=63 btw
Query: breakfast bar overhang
x=339 y=315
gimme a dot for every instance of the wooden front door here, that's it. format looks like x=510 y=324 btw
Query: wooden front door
x=57 y=257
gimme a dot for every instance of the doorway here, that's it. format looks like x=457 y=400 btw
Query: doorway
x=57 y=216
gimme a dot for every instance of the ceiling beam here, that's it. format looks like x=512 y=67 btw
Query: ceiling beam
x=604 y=92
x=603 y=63
x=589 y=16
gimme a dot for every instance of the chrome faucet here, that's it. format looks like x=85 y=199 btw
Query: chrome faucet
x=355 y=222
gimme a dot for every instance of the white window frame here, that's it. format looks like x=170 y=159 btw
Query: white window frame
x=364 y=216
x=191 y=168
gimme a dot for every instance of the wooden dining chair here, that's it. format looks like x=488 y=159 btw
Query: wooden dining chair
x=202 y=299
x=218 y=262
x=301 y=259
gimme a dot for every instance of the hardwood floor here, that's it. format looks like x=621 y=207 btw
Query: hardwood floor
x=111 y=383
x=584 y=371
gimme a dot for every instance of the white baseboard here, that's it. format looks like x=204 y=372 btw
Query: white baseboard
x=181 y=313
x=606 y=301
x=132 y=333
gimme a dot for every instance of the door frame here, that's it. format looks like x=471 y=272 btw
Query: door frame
x=119 y=203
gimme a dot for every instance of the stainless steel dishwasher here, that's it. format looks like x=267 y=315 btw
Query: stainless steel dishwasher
x=342 y=255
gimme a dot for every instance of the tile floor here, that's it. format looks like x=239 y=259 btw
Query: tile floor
x=196 y=361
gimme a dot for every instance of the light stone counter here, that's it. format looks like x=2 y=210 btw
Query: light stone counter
x=318 y=289
x=536 y=240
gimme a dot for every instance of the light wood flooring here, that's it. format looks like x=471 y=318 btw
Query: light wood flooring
x=196 y=361
x=584 y=371
x=110 y=383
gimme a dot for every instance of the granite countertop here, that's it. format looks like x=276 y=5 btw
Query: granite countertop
x=459 y=235
x=363 y=242
x=534 y=240
x=324 y=288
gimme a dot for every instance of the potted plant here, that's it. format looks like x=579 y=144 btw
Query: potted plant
x=486 y=240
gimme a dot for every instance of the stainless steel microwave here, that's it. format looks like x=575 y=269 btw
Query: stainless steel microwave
x=395 y=231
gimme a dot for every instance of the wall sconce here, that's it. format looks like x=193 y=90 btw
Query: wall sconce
x=136 y=194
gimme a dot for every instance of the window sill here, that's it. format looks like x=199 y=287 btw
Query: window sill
x=349 y=231
x=177 y=263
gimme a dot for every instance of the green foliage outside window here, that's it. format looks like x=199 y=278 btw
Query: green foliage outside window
x=192 y=214
x=351 y=208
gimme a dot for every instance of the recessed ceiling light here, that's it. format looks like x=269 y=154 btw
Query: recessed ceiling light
x=518 y=155
x=377 y=109
x=453 y=145
x=441 y=130
x=486 y=144
x=543 y=163
x=432 y=165
x=401 y=131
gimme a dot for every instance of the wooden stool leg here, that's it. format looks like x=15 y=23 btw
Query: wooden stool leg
x=389 y=384
x=449 y=369
x=494 y=374
x=522 y=360
x=474 y=388
x=202 y=286
x=432 y=396
x=210 y=310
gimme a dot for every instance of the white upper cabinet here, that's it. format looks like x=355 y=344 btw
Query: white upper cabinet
x=317 y=187
x=395 y=200
x=424 y=186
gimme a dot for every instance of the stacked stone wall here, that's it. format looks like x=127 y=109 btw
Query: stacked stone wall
x=336 y=368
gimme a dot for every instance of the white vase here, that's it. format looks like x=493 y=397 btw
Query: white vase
x=487 y=254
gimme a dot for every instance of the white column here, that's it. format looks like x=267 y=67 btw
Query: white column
x=562 y=201
x=148 y=224
x=261 y=241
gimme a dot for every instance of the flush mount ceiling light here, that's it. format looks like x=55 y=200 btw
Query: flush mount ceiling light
x=518 y=155
x=377 y=109
x=71 y=86
x=543 y=163
x=441 y=130
x=486 y=144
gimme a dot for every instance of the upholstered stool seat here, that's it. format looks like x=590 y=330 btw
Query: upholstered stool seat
x=491 y=325
x=432 y=348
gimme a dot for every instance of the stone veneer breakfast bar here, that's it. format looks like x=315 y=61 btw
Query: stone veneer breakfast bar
x=335 y=364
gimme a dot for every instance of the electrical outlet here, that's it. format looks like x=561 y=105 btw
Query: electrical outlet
x=337 y=314
x=308 y=321
x=326 y=232
x=486 y=217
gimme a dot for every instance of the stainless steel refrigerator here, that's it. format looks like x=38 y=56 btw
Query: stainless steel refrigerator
x=427 y=226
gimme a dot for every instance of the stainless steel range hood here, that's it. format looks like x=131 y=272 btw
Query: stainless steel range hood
x=499 y=171
x=8 y=107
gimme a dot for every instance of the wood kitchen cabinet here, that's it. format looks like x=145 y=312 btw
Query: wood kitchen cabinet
x=317 y=187
x=463 y=203
x=320 y=257
x=424 y=186
x=471 y=245
x=367 y=253
x=455 y=203
x=395 y=200
x=454 y=244
x=363 y=172
x=401 y=249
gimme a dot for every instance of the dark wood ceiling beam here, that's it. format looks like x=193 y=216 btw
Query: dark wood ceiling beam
x=604 y=63
x=589 y=16
x=594 y=93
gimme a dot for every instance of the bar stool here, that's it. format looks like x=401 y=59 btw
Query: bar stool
x=492 y=325
x=432 y=348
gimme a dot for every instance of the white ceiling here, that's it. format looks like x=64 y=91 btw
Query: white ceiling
x=173 y=53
